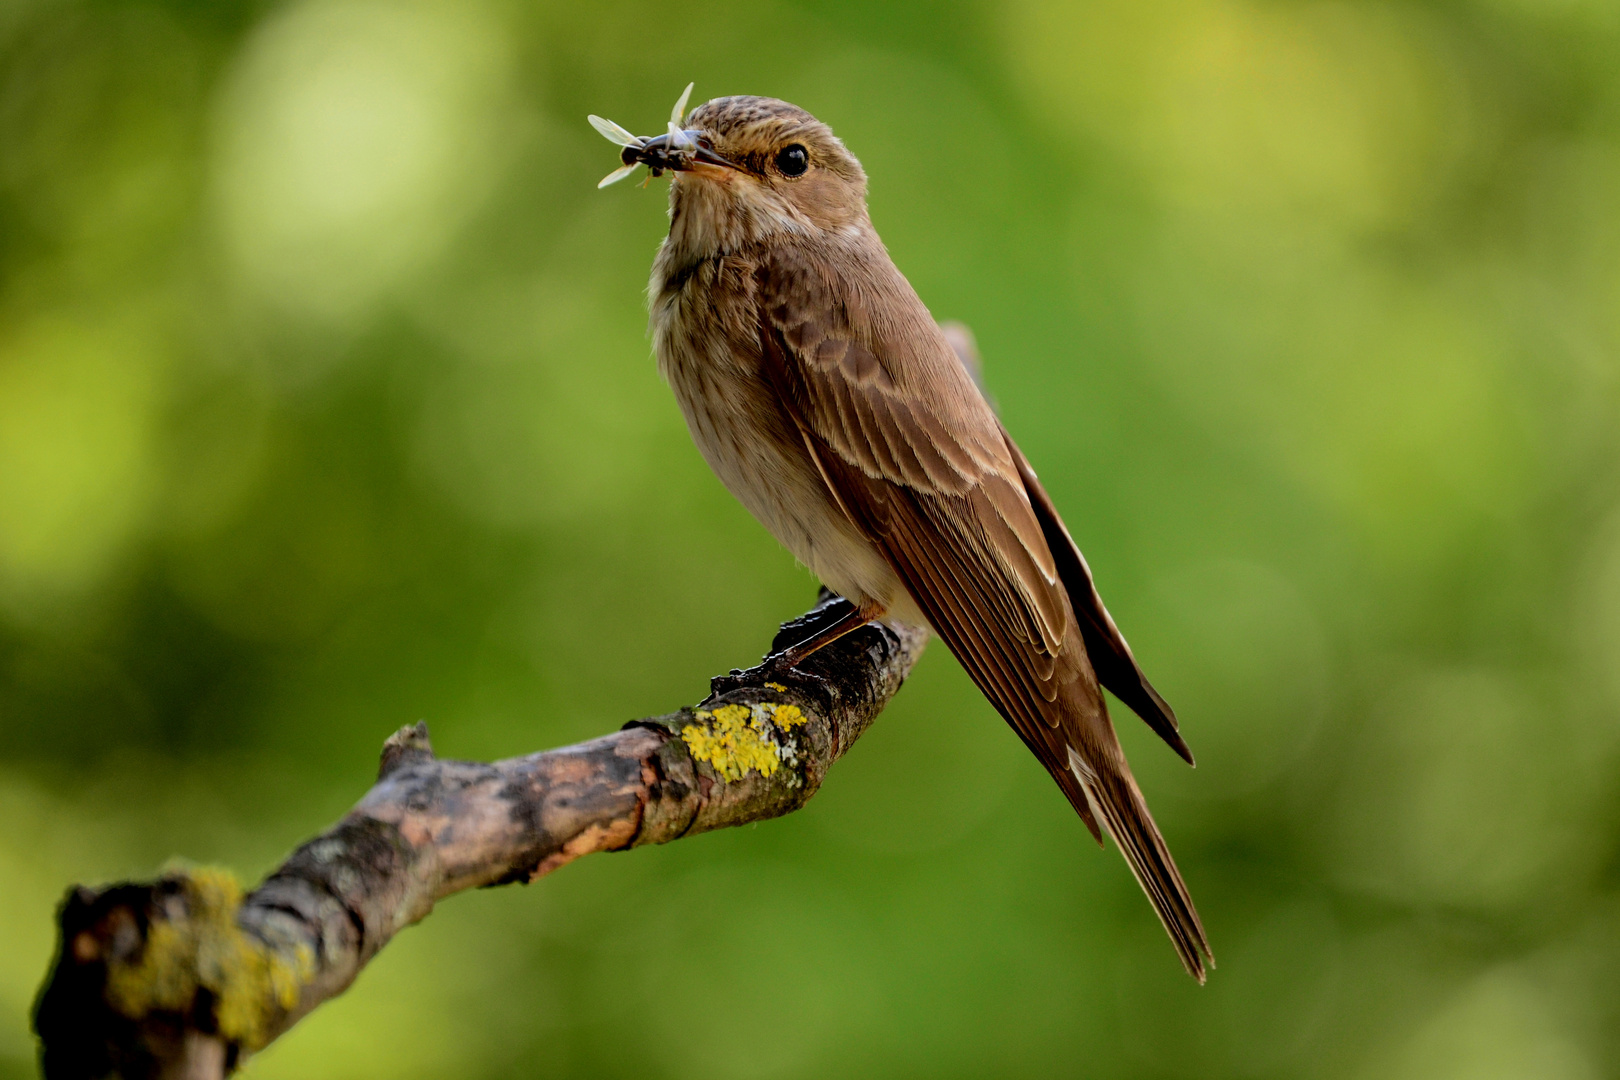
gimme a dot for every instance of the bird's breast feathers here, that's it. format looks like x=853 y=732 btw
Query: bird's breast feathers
x=704 y=322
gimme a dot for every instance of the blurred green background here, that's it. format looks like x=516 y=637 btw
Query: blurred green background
x=326 y=405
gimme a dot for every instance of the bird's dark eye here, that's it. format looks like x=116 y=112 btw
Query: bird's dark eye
x=793 y=160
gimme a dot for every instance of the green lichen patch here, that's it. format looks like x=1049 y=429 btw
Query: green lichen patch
x=738 y=739
x=204 y=949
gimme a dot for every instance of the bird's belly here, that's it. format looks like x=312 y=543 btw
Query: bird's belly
x=759 y=456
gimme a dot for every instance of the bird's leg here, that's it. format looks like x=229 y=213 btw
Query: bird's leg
x=832 y=618
x=825 y=624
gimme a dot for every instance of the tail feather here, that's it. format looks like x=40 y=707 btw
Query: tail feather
x=1116 y=802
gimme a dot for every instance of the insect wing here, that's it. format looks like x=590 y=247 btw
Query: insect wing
x=613 y=133
x=679 y=111
x=616 y=175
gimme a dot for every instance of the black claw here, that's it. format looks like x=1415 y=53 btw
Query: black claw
x=776 y=666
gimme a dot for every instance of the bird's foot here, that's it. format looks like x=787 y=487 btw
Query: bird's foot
x=831 y=618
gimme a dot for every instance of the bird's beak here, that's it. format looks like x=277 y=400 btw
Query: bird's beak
x=677 y=151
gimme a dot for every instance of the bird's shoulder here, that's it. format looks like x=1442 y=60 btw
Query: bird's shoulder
x=869 y=370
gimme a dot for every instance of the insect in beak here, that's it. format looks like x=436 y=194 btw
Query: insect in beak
x=677 y=150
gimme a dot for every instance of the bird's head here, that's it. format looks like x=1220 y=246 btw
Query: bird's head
x=750 y=169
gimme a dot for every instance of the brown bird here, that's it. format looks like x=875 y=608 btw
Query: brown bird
x=825 y=397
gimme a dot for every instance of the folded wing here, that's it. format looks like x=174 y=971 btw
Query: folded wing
x=920 y=464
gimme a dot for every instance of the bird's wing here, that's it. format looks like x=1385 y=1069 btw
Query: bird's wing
x=920 y=464
x=934 y=486
x=1110 y=656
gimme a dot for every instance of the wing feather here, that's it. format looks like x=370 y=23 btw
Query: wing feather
x=1116 y=666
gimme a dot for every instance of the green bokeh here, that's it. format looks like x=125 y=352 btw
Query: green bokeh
x=326 y=405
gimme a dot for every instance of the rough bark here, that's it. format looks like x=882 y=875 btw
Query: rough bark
x=185 y=976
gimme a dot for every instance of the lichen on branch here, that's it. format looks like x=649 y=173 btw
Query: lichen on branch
x=200 y=950
x=736 y=738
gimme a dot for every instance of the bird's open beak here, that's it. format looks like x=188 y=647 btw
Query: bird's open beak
x=677 y=151
x=680 y=149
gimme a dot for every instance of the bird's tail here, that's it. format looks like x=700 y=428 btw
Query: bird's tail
x=1115 y=802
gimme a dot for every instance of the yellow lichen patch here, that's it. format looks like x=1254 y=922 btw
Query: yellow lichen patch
x=208 y=950
x=787 y=717
x=730 y=743
x=778 y=687
x=736 y=738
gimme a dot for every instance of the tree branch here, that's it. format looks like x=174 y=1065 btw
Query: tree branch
x=184 y=977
